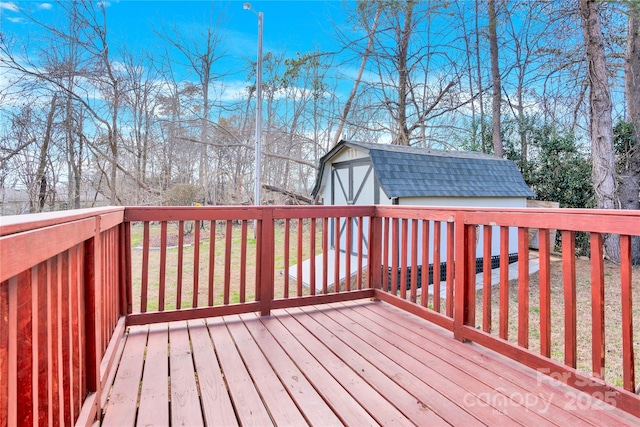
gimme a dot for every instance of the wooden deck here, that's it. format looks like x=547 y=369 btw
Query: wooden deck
x=358 y=363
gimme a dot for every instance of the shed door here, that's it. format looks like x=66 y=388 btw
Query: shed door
x=353 y=183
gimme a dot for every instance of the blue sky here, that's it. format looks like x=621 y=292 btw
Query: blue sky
x=289 y=26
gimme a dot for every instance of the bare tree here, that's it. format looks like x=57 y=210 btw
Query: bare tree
x=201 y=53
x=602 y=152
x=495 y=77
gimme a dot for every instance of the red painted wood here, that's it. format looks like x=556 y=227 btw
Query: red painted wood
x=395 y=254
x=310 y=401
x=325 y=254
x=424 y=297
x=40 y=244
x=459 y=303
x=312 y=255
x=403 y=259
x=315 y=211
x=259 y=261
x=422 y=312
x=504 y=283
x=348 y=250
x=65 y=339
x=628 y=364
x=74 y=326
x=28 y=344
x=145 y=268
x=597 y=306
x=193 y=213
x=321 y=299
x=437 y=233
x=180 y=263
x=374 y=253
x=366 y=394
x=267 y=249
x=227 y=262
x=569 y=279
x=486 y=277
x=287 y=250
x=124 y=394
x=523 y=287
x=40 y=337
x=545 y=292
x=56 y=307
x=385 y=256
x=336 y=255
x=389 y=378
x=185 y=404
x=153 y=408
x=555 y=402
x=127 y=283
x=450 y=267
x=595 y=220
x=212 y=261
x=623 y=399
x=163 y=265
x=416 y=212
x=299 y=258
x=196 y=263
x=360 y=252
x=191 y=313
x=4 y=354
x=281 y=407
x=14 y=224
x=243 y=262
x=470 y=278
x=414 y=261
x=217 y=408
x=337 y=397
x=238 y=379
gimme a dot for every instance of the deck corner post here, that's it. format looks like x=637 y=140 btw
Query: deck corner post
x=267 y=247
x=375 y=252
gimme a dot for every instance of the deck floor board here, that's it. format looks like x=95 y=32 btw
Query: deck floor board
x=352 y=363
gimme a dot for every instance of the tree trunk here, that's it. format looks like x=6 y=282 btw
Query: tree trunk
x=402 y=137
x=483 y=131
x=602 y=151
x=629 y=183
x=495 y=75
x=354 y=89
x=41 y=179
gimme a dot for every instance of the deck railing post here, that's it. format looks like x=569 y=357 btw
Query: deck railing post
x=266 y=240
x=93 y=311
x=460 y=292
x=375 y=251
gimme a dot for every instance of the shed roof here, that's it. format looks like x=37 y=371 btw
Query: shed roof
x=420 y=172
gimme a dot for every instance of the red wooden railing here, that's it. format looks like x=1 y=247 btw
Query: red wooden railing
x=70 y=283
x=464 y=230
x=207 y=277
x=60 y=305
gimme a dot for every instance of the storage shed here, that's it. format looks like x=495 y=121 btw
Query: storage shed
x=361 y=173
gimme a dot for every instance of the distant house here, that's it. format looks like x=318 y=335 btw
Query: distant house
x=360 y=173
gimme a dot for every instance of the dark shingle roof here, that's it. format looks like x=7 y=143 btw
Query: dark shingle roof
x=419 y=172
